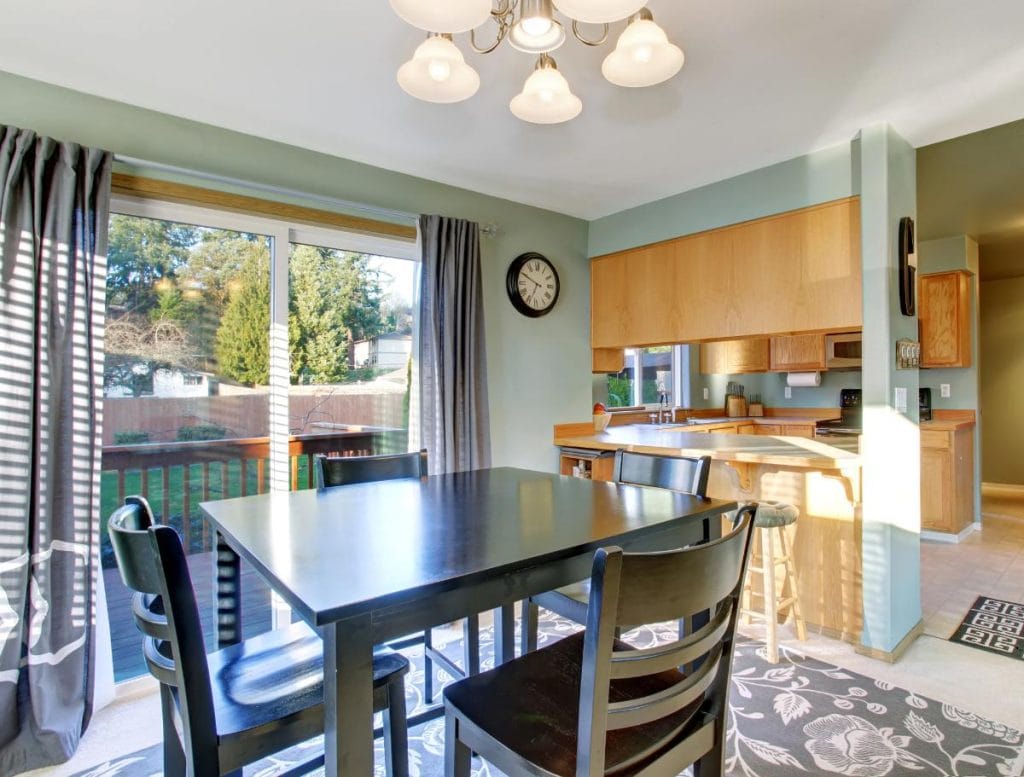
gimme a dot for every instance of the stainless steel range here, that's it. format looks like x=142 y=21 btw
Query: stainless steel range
x=851 y=420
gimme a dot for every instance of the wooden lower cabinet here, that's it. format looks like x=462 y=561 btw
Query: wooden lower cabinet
x=594 y=465
x=797 y=430
x=768 y=429
x=746 y=429
x=947 y=480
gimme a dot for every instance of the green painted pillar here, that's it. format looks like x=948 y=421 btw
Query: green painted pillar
x=891 y=448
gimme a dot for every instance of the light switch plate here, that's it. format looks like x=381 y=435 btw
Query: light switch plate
x=789 y=392
x=707 y=393
x=944 y=390
x=900 y=398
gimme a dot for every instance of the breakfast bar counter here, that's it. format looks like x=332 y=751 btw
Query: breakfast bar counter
x=822 y=481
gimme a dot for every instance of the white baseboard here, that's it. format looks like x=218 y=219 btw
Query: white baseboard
x=941 y=536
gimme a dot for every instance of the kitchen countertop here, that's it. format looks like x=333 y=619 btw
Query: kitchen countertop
x=771 y=420
x=943 y=425
x=737 y=448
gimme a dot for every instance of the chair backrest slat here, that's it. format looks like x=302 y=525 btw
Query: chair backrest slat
x=659 y=587
x=640 y=588
x=678 y=473
x=346 y=470
x=646 y=709
x=637 y=663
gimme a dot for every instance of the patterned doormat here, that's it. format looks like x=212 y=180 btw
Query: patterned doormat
x=994 y=625
x=800 y=716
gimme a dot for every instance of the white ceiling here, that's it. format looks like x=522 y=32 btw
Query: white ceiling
x=764 y=81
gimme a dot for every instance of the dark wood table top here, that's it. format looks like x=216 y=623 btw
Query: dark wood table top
x=353 y=549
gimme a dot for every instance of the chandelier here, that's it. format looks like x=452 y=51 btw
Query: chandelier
x=438 y=72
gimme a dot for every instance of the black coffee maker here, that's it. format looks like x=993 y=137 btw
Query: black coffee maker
x=924 y=403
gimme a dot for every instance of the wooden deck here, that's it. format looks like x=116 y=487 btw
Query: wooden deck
x=126 y=639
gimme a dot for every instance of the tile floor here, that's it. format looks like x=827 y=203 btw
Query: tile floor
x=988 y=562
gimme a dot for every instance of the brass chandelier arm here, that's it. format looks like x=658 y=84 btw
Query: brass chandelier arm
x=503 y=16
x=585 y=41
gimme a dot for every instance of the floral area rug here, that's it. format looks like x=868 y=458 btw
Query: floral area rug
x=801 y=716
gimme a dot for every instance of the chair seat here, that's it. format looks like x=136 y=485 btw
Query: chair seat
x=772 y=514
x=276 y=675
x=530 y=706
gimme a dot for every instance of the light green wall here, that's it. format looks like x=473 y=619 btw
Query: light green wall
x=1002 y=377
x=958 y=253
x=538 y=369
x=890 y=445
x=807 y=180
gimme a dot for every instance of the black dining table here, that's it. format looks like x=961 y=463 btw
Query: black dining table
x=371 y=562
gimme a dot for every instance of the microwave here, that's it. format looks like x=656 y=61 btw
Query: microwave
x=842 y=352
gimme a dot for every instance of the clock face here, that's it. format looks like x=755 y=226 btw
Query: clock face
x=532 y=284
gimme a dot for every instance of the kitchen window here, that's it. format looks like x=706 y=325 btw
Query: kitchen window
x=648 y=374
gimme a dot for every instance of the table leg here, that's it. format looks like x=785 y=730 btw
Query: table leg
x=227 y=594
x=348 y=697
x=504 y=633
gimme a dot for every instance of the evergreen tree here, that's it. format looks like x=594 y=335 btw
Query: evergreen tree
x=140 y=253
x=242 y=344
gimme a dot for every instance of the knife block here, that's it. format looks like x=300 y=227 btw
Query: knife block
x=735 y=405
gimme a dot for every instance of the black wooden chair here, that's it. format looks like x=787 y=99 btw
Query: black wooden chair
x=234 y=706
x=331 y=471
x=590 y=704
x=688 y=475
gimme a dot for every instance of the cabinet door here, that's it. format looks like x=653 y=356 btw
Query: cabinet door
x=944 y=317
x=768 y=429
x=731 y=357
x=798 y=353
x=746 y=429
x=798 y=430
x=936 y=494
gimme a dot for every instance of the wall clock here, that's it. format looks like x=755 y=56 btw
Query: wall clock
x=532 y=284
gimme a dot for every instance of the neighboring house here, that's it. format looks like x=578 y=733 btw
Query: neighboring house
x=385 y=352
x=176 y=383
x=170 y=383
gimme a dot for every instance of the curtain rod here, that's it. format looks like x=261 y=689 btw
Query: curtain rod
x=347 y=205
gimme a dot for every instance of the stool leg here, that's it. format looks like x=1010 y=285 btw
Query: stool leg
x=755 y=551
x=770 y=600
x=787 y=554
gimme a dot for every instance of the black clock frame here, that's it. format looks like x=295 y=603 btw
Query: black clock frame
x=512 y=284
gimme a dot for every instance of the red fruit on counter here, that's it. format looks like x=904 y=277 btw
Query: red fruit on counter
x=599 y=408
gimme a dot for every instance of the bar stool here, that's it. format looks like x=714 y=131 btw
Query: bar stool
x=770 y=522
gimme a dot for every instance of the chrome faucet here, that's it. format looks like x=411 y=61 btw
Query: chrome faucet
x=665 y=413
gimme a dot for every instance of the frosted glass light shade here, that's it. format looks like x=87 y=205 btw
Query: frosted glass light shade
x=599 y=11
x=443 y=15
x=521 y=39
x=643 y=56
x=438 y=73
x=546 y=98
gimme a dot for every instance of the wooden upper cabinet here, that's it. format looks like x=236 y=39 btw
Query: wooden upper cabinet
x=798 y=353
x=944 y=316
x=730 y=357
x=794 y=272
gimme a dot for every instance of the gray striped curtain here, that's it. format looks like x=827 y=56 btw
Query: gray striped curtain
x=54 y=201
x=455 y=425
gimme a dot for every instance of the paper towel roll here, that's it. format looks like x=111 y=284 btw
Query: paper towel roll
x=803 y=379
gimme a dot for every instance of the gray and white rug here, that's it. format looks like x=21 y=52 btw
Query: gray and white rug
x=801 y=716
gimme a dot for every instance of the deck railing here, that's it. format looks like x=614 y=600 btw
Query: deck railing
x=174 y=477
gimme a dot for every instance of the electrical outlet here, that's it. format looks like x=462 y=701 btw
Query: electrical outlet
x=789 y=392
x=707 y=393
x=944 y=390
x=900 y=398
